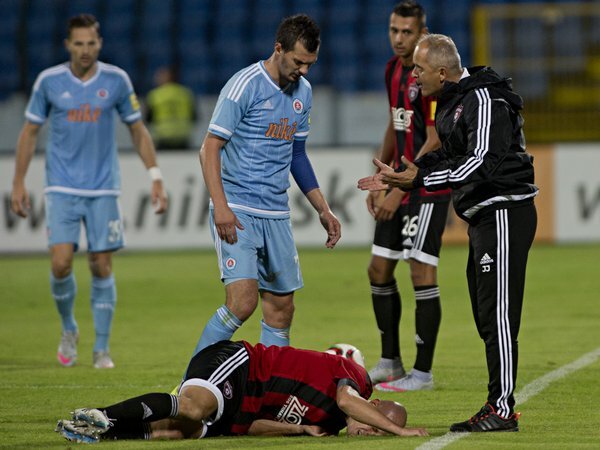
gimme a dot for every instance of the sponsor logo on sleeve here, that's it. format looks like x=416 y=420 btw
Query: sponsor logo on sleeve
x=135 y=104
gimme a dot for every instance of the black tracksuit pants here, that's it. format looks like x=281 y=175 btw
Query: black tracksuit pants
x=499 y=242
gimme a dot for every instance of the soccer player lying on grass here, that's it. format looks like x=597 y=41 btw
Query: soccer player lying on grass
x=234 y=388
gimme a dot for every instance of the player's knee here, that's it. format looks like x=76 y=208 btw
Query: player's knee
x=61 y=267
x=100 y=268
x=423 y=274
x=190 y=409
x=378 y=275
x=242 y=309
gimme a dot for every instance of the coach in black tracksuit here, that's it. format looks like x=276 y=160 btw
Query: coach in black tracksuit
x=483 y=160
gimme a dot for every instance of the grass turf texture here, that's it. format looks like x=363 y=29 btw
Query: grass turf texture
x=164 y=300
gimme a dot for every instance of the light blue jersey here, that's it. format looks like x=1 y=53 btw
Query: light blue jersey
x=81 y=153
x=260 y=121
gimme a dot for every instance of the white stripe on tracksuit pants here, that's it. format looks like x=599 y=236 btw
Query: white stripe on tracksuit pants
x=499 y=243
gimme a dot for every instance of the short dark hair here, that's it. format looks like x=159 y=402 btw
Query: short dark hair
x=298 y=28
x=410 y=8
x=83 y=21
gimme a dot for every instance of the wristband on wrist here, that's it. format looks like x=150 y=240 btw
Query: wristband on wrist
x=155 y=173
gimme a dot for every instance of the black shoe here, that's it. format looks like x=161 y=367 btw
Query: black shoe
x=487 y=420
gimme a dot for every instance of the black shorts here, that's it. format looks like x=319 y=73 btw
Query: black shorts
x=415 y=231
x=221 y=368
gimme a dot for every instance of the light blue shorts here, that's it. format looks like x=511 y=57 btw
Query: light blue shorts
x=101 y=217
x=265 y=251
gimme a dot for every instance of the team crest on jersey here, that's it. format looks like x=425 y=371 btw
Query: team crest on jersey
x=458 y=112
x=293 y=411
x=230 y=263
x=298 y=106
x=102 y=93
x=227 y=390
x=413 y=91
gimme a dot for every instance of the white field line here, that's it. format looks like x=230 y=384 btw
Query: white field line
x=529 y=391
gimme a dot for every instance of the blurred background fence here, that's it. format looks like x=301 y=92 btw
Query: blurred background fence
x=551 y=50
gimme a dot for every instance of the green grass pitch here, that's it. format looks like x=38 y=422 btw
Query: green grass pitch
x=164 y=300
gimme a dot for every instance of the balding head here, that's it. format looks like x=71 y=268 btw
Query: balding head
x=441 y=52
x=393 y=411
x=436 y=61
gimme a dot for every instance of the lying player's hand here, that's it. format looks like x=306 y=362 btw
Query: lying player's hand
x=414 y=432
x=314 y=430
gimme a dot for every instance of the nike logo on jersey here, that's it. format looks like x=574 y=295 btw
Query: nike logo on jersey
x=281 y=130
x=84 y=114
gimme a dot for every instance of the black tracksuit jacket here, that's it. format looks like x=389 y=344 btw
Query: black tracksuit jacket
x=483 y=157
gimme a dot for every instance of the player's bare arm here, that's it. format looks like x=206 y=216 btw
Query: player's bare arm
x=142 y=141
x=226 y=222
x=386 y=154
x=389 y=205
x=263 y=427
x=365 y=412
x=391 y=202
x=329 y=221
x=25 y=149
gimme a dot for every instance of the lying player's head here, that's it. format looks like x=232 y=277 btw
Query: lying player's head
x=392 y=410
x=296 y=46
x=83 y=40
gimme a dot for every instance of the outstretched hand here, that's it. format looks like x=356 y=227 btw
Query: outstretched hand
x=375 y=182
x=404 y=179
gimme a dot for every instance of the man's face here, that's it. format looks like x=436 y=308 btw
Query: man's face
x=84 y=45
x=404 y=32
x=429 y=79
x=295 y=63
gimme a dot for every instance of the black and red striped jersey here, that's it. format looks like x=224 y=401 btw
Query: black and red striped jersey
x=297 y=386
x=411 y=113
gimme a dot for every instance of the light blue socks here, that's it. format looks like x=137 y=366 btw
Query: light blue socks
x=104 y=299
x=274 y=336
x=220 y=327
x=64 y=291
